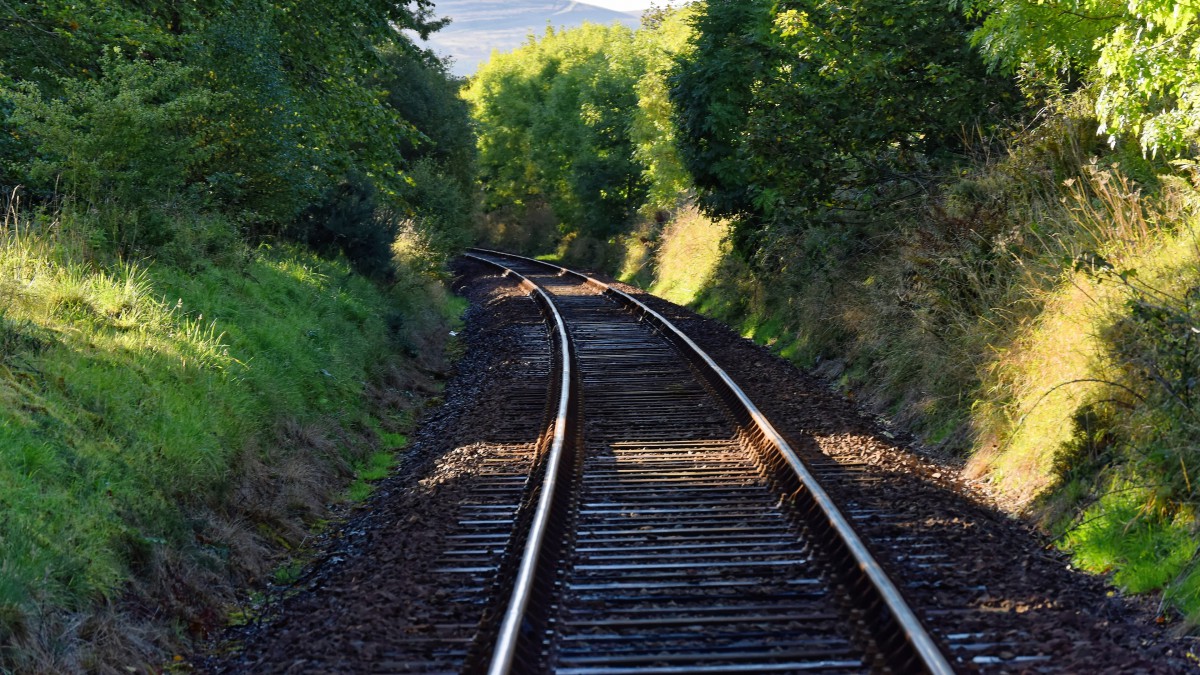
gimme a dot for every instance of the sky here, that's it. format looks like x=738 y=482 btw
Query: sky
x=630 y=5
x=480 y=26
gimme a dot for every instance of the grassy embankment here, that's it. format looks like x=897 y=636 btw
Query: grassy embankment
x=169 y=428
x=1038 y=316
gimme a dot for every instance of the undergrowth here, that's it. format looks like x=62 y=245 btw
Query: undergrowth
x=166 y=426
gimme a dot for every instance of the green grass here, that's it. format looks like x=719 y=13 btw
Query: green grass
x=455 y=308
x=288 y=573
x=132 y=395
x=393 y=441
x=1143 y=555
x=374 y=468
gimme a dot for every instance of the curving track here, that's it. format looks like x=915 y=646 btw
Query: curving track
x=668 y=529
x=673 y=531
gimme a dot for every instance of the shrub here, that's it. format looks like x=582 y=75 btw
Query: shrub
x=348 y=220
x=123 y=145
x=440 y=220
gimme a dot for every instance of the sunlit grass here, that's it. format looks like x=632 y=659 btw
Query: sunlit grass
x=690 y=252
x=1142 y=555
x=1050 y=371
x=129 y=393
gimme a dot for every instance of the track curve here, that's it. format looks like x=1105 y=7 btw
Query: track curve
x=690 y=537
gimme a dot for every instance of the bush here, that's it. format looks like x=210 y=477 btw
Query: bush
x=125 y=145
x=440 y=221
x=348 y=220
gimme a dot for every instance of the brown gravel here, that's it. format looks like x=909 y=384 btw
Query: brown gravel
x=374 y=600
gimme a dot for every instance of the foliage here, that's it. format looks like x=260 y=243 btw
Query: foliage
x=263 y=169
x=663 y=38
x=1155 y=344
x=689 y=256
x=441 y=220
x=1142 y=58
x=420 y=88
x=47 y=41
x=348 y=220
x=1055 y=40
x=756 y=98
x=133 y=136
x=1126 y=497
x=439 y=197
x=255 y=112
x=712 y=92
x=554 y=121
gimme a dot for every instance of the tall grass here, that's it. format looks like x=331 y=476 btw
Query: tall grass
x=156 y=420
x=689 y=256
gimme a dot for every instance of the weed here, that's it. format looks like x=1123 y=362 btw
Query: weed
x=288 y=573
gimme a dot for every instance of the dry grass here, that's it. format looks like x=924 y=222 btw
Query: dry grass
x=692 y=247
x=1057 y=361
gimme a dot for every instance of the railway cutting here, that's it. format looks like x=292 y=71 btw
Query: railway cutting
x=600 y=497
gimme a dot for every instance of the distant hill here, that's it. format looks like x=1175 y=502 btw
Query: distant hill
x=481 y=26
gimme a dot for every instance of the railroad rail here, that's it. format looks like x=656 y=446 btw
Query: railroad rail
x=667 y=527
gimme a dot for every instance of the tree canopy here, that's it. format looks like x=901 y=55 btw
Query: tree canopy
x=259 y=111
x=1142 y=58
x=554 y=120
x=799 y=110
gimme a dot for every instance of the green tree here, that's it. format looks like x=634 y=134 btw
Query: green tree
x=665 y=36
x=554 y=123
x=504 y=96
x=712 y=91
x=805 y=110
x=263 y=111
x=263 y=169
x=134 y=136
x=440 y=160
x=1142 y=58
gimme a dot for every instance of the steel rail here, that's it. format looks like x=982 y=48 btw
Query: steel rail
x=918 y=644
x=505 y=651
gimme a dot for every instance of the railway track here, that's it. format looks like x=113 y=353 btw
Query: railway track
x=673 y=531
x=667 y=528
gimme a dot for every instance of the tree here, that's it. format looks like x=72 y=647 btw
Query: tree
x=262 y=111
x=554 y=119
x=712 y=91
x=802 y=110
x=1141 y=57
x=663 y=38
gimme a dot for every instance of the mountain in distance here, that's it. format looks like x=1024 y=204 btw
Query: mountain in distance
x=480 y=26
